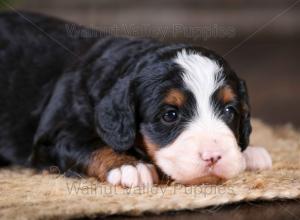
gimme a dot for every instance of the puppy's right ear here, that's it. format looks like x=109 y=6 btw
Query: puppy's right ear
x=115 y=116
x=245 y=123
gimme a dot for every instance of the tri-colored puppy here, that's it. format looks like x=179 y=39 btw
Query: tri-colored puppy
x=127 y=111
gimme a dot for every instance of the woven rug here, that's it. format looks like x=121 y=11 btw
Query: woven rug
x=27 y=195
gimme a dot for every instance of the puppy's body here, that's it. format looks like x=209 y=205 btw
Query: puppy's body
x=31 y=63
x=49 y=79
x=94 y=105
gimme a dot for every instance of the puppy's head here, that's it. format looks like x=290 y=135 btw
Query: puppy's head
x=191 y=110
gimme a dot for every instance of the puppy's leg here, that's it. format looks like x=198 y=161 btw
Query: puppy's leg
x=257 y=158
x=121 y=169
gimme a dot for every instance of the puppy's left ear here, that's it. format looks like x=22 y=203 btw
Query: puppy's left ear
x=115 y=116
x=245 y=124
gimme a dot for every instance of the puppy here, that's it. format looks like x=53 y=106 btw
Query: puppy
x=127 y=111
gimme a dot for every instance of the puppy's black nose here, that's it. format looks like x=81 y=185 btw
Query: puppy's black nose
x=211 y=158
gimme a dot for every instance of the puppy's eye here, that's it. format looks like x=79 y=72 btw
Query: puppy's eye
x=229 y=113
x=170 y=116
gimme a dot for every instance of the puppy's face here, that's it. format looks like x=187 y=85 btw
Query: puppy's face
x=189 y=107
x=193 y=113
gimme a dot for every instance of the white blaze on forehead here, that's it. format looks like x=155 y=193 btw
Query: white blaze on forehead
x=202 y=76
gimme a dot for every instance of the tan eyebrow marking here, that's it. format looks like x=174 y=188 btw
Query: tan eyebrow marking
x=226 y=94
x=175 y=97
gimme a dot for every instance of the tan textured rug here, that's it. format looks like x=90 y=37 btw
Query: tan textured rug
x=26 y=195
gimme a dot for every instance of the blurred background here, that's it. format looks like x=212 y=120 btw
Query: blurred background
x=259 y=38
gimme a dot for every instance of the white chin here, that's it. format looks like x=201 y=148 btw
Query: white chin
x=196 y=175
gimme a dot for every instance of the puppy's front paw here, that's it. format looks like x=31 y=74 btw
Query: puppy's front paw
x=257 y=158
x=132 y=176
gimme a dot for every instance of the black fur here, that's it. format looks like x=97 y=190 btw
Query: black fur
x=245 y=124
x=62 y=97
